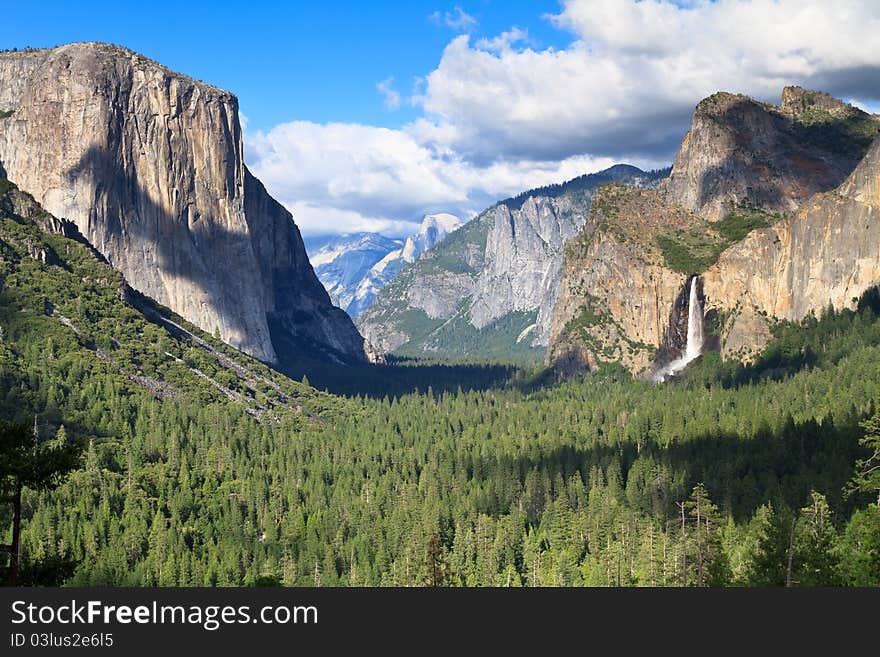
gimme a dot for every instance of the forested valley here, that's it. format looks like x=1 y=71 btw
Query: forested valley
x=200 y=467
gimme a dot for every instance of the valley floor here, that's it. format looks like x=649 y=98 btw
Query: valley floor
x=713 y=479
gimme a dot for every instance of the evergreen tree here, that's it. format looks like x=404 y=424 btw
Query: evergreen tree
x=27 y=463
x=867 y=476
x=815 y=545
x=438 y=571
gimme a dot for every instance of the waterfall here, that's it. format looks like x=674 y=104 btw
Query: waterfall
x=694 y=345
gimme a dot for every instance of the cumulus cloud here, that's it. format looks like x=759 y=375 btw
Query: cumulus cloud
x=390 y=95
x=501 y=116
x=458 y=19
x=342 y=177
x=628 y=83
x=504 y=41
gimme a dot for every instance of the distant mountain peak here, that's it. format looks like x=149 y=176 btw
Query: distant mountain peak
x=355 y=267
x=433 y=229
x=488 y=289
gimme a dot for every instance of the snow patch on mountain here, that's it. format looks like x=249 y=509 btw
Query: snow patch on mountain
x=353 y=268
x=432 y=231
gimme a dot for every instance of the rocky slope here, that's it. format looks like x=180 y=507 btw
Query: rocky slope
x=56 y=290
x=488 y=289
x=148 y=165
x=742 y=152
x=617 y=291
x=726 y=215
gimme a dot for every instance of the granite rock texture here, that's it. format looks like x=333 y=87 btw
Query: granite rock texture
x=148 y=164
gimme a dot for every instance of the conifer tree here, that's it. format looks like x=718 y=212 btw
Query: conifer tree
x=26 y=463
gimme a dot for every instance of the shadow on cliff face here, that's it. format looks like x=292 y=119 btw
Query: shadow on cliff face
x=209 y=257
x=788 y=160
x=123 y=214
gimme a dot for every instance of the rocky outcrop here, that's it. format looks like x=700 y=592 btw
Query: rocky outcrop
x=810 y=161
x=617 y=294
x=742 y=152
x=148 y=165
x=523 y=259
x=826 y=255
x=494 y=280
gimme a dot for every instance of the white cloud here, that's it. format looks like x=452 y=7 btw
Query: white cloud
x=458 y=19
x=501 y=116
x=390 y=95
x=504 y=41
x=315 y=219
x=628 y=83
x=345 y=177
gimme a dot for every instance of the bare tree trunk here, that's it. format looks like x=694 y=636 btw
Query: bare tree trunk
x=684 y=569
x=699 y=547
x=708 y=541
x=15 y=548
x=665 y=541
x=790 y=555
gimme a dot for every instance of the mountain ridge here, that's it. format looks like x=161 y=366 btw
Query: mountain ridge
x=756 y=194
x=355 y=267
x=149 y=165
x=489 y=287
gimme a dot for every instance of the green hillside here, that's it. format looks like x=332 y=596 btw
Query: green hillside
x=202 y=467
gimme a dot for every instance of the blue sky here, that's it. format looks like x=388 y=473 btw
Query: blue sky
x=315 y=61
x=513 y=94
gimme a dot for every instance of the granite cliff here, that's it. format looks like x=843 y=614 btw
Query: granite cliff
x=488 y=289
x=772 y=208
x=825 y=255
x=148 y=164
x=743 y=152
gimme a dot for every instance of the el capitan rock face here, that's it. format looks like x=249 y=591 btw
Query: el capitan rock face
x=148 y=164
x=806 y=170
